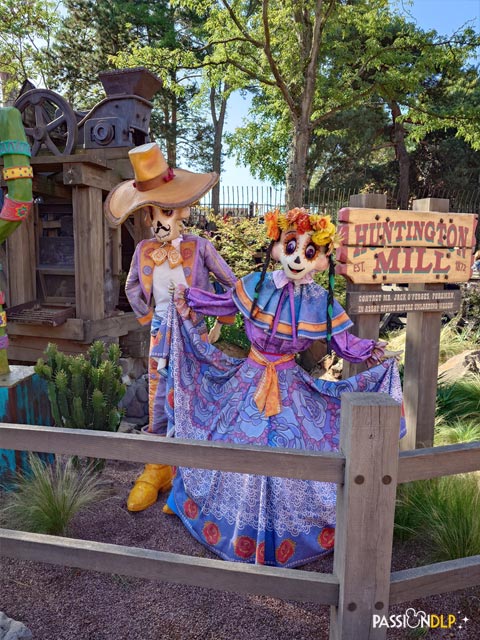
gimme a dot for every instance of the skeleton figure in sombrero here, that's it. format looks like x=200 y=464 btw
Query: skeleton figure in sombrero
x=164 y=195
x=267 y=399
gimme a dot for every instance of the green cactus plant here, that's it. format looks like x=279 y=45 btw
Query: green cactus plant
x=84 y=391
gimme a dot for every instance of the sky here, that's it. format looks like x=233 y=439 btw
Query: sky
x=445 y=16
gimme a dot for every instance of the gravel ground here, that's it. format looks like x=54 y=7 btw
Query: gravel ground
x=61 y=603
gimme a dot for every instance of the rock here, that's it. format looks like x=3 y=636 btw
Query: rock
x=12 y=629
x=459 y=366
x=126 y=427
x=142 y=393
x=135 y=409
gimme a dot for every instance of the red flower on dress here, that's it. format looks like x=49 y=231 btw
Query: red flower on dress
x=170 y=398
x=326 y=539
x=190 y=509
x=285 y=551
x=303 y=223
x=260 y=556
x=244 y=547
x=211 y=533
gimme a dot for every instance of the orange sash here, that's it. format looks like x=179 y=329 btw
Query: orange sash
x=267 y=395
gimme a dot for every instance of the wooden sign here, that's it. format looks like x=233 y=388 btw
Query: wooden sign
x=382 y=245
x=403 y=301
x=390 y=228
x=399 y=265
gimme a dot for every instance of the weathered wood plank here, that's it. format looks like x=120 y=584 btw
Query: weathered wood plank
x=422 y=347
x=71 y=329
x=89 y=256
x=89 y=176
x=30 y=348
x=429 y=580
x=387 y=228
x=21 y=252
x=434 y=462
x=362 y=560
x=403 y=301
x=285 y=463
x=404 y=264
x=364 y=326
x=288 y=584
x=115 y=326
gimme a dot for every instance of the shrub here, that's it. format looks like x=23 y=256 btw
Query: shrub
x=45 y=499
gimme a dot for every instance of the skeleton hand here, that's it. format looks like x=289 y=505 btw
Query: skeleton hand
x=214 y=333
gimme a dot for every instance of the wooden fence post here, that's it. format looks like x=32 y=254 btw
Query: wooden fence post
x=364 y=325
x=421 y=358
x=365 y=512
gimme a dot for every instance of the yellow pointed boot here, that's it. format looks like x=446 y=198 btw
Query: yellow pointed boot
x=155 y=478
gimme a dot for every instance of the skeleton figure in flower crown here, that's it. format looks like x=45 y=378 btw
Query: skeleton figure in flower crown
x=267 y=399
x=164 y=195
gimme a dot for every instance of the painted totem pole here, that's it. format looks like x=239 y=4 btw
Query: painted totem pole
x=18 y=202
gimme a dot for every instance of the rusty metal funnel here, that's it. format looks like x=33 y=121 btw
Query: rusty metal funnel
x=137 y=81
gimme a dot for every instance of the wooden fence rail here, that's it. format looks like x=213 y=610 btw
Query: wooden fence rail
x=367 y=471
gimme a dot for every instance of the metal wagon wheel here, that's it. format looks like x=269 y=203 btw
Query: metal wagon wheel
x=49 y=121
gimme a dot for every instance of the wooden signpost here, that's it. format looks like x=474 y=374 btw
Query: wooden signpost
x=425 y=250
x=404 y=246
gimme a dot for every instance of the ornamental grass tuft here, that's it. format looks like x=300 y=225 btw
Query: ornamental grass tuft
x=45 y=499
x=460 y=399
x=456 y=431
x=443 y=512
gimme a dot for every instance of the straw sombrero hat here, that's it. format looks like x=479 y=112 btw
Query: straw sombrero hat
x=156 y=184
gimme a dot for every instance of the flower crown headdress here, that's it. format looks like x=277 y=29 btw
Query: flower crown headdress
x=324 y=231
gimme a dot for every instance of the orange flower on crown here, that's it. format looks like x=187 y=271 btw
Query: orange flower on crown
x=271 y=222
x=293 y=215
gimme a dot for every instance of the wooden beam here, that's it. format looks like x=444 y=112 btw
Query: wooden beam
x=89 y=255
x=422 y=349
x=22 y=260
x=71 y=329
x=288 y=584
x=113 y=327
x=363 y=553
x=89 y=176
x=364 y=326
x=30 y=348
x=422 y=464
x=429 y=580
x=49 y=186
x=284 y=463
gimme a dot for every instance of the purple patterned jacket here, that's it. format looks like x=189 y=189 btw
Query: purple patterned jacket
x=200 y=258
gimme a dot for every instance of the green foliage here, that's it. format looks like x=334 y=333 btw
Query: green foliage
x=443 y=512
x=459 y=399
x=456 y=431
x=453 y=341
x=26 y=32
x=235 y=333
x=241 y=242
x=47 y=498
x=84 y=392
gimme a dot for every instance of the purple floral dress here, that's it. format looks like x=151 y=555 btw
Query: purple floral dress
x=212 y=396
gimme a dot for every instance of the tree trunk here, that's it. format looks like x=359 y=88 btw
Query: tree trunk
x=297 y=165
x=402 y=156
x=218 y=124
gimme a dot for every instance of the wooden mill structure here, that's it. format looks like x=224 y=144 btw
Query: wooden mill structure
x=64 y=268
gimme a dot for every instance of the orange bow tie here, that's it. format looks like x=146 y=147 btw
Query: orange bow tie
x=167 y=252
x=267 y=395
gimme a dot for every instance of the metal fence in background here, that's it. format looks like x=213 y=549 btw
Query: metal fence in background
x=243 y=201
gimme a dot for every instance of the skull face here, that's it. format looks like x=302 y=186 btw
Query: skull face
x=298 y=255
x=166 y=223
